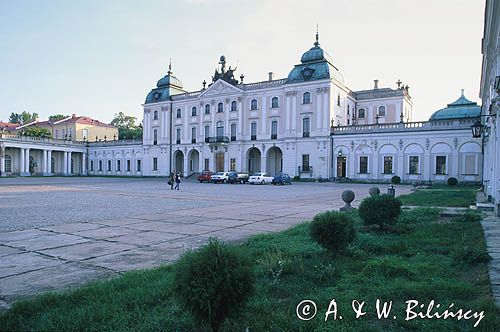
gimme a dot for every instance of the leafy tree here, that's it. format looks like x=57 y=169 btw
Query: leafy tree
x=57 y=117
x=127 y=127
x=22 y=118
x=34 y=131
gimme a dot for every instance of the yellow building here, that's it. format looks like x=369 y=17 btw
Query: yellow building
x=79 y=128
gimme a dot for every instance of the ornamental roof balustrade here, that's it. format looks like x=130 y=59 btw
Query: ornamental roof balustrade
x=380 y=93
x=116 y=143
x=264 y=84
x=188 y=95
x=61 y=142
x=455 y=124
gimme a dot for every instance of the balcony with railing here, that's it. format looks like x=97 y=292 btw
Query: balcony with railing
x=305 y=169
x=217 y=139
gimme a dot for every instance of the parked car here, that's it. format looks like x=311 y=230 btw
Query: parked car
x=205 y=176
x=261 y=178
x=282 y=179
x=219 y=177
x=235 y=177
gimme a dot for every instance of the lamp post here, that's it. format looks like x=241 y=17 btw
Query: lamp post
x=332 y=128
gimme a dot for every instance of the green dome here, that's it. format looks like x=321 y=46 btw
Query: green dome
x=461 y=108
x=167 y=86
x=169 y=79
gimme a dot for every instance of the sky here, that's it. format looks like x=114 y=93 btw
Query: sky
x=101 y=57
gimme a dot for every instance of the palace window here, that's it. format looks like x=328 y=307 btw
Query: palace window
x=91 y=165
x=233 y=132
x=155 y=164
x=363 y=165
x=388 y=165
x=253 y=104
x=274 y=102
x=234 y=106
x=207 y=164
x=381 y=111
x=274 y=129
x=138 y=165
x=253 y=131
x=306 y=127
x=8 y=164
x=470 y=164
x=361 y=113
x=207 y=133
x=306 y=98
x=193 y=111
x=220 y=129
x=305 y=163
x=193 y=135
x=413 y=165
x=179 y=113
x=232 y=164
x=348 y=108
x=85 y=134
x=100 y=165
x=53 y=165
x=338 y=99
x=109 y=165
x=440 y=165
x=155 y=137
x=118 y=165
x=155 y=115
x=207 y=109
x=220 y=108
x=178 y=136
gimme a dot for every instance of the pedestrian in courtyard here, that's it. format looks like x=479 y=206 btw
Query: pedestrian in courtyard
x=177 y=181
x=171 y=180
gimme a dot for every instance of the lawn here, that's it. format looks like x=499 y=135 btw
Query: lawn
x=446 y=196
x=421 y=258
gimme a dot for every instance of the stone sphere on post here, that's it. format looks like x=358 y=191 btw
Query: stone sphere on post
x=347 y=196
x=374 y=191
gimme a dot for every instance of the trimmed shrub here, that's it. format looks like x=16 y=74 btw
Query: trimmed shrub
x=333 y=230
x=296 y=178
x=395 y=179
x=380 y=210
x=213 y=281
x=452 y=181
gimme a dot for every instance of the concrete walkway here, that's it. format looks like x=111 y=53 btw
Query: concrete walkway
x=491 y=227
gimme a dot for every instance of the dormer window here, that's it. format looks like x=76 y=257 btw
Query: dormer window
x=179 y=113
x=193 y=111
x=381 y=111
x=274 y=102
x=253 y=104
x=155 y=115
x=220 y=108
x=306 y=98
x=207 y=109
x=233 y=106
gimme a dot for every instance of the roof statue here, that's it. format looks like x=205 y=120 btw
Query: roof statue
x=227 y=76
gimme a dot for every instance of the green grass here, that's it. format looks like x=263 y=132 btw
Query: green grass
x=421 y=258
x=447 y=196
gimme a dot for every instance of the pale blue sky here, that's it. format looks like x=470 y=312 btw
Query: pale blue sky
x=97 y=58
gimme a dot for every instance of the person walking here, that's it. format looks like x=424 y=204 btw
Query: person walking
x=177 y=181
x=171 y=180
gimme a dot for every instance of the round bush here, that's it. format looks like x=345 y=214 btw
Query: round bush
x=395 y=179
x=333 y=230
x=380 y=210
x=213 y=281
x=452 y=181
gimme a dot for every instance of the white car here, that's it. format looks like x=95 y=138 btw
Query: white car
x=261 y=178
x=219 y=177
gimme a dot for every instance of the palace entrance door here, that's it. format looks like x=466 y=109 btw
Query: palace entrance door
x=341 y=167
x=219 y=162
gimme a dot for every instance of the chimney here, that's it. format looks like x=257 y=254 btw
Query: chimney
x=271 y=75
x=73 y=115
x=375 y=84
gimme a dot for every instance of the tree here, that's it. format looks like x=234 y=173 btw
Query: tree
x=34 y=131
x=127 y=128
x=22 y=118
x=57 y=117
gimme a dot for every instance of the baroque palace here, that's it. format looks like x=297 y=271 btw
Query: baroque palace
x=309 y=124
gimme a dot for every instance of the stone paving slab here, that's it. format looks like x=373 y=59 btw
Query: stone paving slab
x=87 y=250
x=105 y=232
x=233 y=234
x=5 y=251
x=491 y=228
x=115 y=222
x=22 y=235
x=192 y=229
x=147 y=238
x=25 y=262
x=52 y=240
x=71 y=228
x=224 y=222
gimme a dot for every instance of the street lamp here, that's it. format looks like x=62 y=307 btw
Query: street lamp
x=477 y=129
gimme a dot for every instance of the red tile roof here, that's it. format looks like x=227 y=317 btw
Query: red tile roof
x=78 y=119
x=8 y=126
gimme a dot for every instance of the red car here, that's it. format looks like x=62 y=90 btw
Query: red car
x=205 y=176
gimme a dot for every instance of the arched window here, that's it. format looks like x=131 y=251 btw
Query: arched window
x=207 y=109
x=220 y=108
x=381 y=111
x=155 y=115
x=361 y=113
x=220 y=129
x=233 y=106
x=193 y=111
x=8 y=164
x=155 y=137
x=179 y=113
x=306 y=98
x=274 y=102
x=253 y=104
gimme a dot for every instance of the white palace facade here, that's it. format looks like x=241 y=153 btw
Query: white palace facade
x=309 y=124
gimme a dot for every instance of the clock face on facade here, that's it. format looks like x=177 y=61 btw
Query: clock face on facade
x=307 y=73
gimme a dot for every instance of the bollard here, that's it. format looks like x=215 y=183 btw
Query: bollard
x=391 y=191
x=374 y=191
x=347 y=196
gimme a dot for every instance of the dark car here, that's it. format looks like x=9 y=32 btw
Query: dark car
x=205 y=176
x=235 y=177
x=282 y=179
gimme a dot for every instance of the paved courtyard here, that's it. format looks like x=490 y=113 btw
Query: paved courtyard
x=61 y=232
